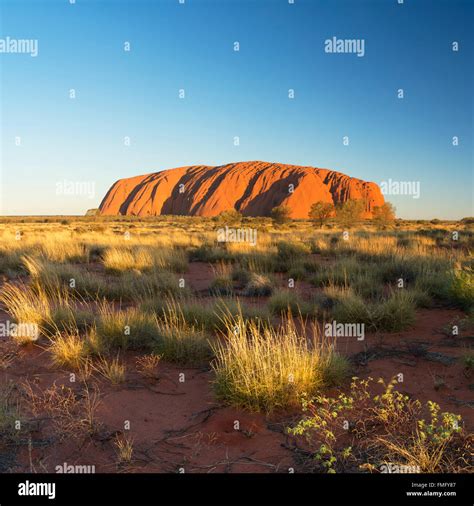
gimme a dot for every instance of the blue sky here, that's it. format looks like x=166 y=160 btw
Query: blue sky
x=190 y=46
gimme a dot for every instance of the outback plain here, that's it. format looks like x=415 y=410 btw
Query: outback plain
x=166 y=344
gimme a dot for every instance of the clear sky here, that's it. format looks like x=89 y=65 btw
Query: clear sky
x=78 y=142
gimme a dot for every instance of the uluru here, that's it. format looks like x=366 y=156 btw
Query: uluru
x=252 y=188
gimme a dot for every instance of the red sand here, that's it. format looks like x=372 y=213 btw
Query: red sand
x=181 y=425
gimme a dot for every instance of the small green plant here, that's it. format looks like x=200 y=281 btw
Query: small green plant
x=386 y=428
x=324 y=419
x=462 y=288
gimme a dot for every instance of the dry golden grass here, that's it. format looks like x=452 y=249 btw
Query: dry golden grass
x=74 y=416
x=262 y=368
x=68 y=349
x=147 y=365
x=124 y=449
x=29 y=307
x=124 y=259
x=112 y=369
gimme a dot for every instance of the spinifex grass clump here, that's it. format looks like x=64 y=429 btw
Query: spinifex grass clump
x=177 y=340
x=262 y=368
x=68 y=349
x=127 y=329
x=222 y=284
x=30 y=308
x=56 y=278
x=118 y=260
x=64 y=250
x=283 y=300
x=144 y=259
x=10 y=261
x=258 y=285
x=70 y=315
x=393 y=314
x=113 y=369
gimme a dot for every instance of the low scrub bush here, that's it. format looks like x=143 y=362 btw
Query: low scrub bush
x=387 y=430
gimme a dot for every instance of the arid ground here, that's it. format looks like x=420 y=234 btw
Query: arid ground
x=146 y=345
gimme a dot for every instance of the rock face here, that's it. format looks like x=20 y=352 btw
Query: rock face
x=252 y=188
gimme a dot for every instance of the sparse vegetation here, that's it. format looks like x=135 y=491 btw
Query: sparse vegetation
x=104 y=293
x=147 y=365
x=387 y=429
x=124 y=449
x=112 y=369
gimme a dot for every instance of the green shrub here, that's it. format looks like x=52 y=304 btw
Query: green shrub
x=462 y=288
